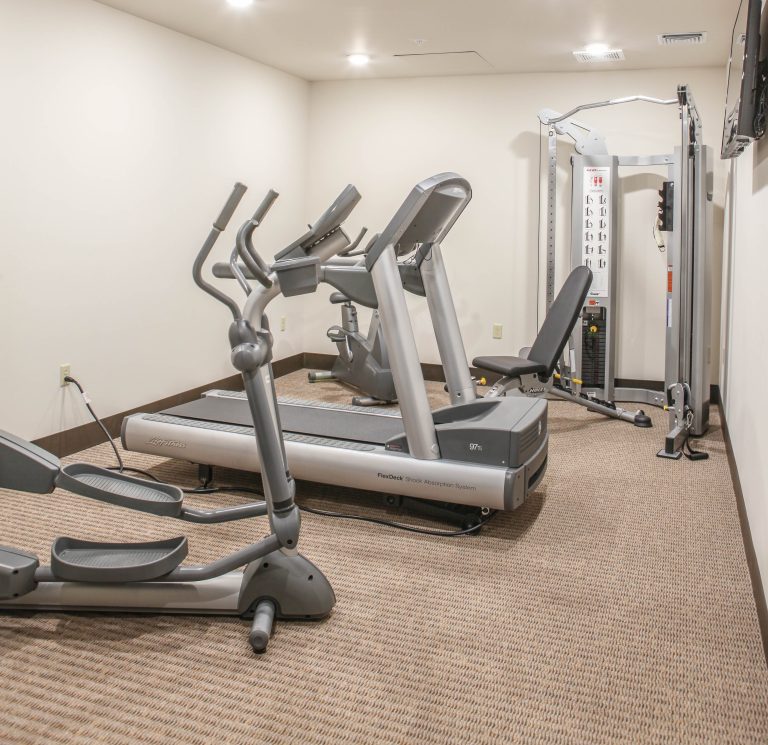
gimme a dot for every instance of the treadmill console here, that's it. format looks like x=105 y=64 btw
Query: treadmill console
x=426 y=216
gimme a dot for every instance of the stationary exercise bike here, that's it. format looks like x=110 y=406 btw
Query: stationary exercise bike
x=277 y=581
x=363 y=361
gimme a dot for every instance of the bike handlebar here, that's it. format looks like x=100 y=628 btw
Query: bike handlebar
x=352 y=246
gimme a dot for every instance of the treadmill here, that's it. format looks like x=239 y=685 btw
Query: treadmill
x=481 y=452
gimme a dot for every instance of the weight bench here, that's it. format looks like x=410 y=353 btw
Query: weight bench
x=532 y=373
x=536 y=374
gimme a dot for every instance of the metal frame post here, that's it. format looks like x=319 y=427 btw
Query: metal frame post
x=404 y=358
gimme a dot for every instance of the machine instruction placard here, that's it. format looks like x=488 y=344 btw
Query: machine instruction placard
x=596 y=227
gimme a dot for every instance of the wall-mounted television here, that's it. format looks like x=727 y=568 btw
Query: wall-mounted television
x=743 y=107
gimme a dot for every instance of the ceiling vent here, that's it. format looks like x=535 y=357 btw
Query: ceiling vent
x=612 y=55
x=692 y=37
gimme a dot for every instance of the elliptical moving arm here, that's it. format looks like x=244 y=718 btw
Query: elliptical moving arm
x=245 y=247
x=219 y=226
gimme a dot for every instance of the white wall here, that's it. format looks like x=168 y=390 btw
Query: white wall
x=744 y=337
x=385 y=135
x=120 y=142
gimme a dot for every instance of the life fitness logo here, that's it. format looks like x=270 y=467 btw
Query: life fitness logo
x=160 y=442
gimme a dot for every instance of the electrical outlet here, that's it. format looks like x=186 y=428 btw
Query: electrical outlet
x=497 y=329
x=283 y=321
x=64 y=372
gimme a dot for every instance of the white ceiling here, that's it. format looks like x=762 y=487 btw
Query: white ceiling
x=311 y=38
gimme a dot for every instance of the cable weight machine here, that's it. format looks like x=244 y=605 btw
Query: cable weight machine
x=587 y=374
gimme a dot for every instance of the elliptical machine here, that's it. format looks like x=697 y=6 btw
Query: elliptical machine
x=277 y=582
x=363 y=361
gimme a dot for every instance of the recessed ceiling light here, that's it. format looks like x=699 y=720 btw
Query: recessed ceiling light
x=240 y=3
x=597 y=50
x=598 y=53
x=358 y=60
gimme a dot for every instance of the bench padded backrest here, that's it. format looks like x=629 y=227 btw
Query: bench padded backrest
x=560 y=320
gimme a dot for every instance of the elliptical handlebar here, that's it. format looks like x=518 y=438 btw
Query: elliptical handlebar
x=229 y=208
x=265 y=206
x=219 y=226
x=237 y=273
x=245 y=247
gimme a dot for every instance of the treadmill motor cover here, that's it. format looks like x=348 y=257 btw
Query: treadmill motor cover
x=504 y=432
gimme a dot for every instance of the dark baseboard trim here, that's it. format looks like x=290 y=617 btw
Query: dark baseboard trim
x=746 y=535
x=648 y=385
x=282 y=367
x=87 y=435
x=317 y=361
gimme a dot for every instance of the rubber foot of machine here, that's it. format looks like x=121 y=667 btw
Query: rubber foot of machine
x=371 y=401
x=320 y=376
x=643 y=420
x=669 y=456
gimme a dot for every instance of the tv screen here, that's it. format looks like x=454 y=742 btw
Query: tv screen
x=743 y=67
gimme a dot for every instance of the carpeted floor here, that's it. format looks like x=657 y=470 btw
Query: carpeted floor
x=614 y=607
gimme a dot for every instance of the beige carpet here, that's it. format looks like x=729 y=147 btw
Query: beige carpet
x=614 y=607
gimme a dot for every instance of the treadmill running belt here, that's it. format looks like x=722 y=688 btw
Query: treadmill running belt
x=305 y=420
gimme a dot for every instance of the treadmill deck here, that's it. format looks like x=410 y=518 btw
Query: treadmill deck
x=313 y=418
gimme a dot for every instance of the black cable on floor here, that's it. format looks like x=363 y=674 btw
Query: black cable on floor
x=400 y=526
x=122 y=468
x=692 y=454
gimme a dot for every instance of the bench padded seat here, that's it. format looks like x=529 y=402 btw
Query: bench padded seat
x=511 y=367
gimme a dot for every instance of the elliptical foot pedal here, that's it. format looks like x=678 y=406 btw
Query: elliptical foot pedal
x=73 y=560
x=121 y=490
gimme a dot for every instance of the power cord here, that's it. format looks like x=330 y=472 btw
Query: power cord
x=692 y=454
x=122 y=468
x=401 y=526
